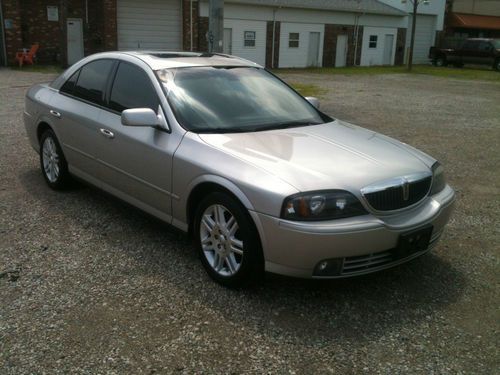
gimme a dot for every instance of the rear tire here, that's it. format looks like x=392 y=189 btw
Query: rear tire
x=227 y=241
x=52 y=162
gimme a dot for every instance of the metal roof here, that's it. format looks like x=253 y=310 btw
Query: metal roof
x=365 y=6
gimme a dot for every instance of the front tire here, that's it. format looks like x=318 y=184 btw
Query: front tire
x=440 y=61
x=52 y=162
x=227 y=241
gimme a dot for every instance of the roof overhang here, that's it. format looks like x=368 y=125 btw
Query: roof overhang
x=473 y=21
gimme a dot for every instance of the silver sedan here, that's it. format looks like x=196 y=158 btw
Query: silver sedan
x=221 y=148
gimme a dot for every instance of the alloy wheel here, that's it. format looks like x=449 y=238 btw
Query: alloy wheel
x=50 y=159
x=220 y=241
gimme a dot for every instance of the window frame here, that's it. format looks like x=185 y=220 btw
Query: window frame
x=293 y=40
x=245 y=39
x=372 y=39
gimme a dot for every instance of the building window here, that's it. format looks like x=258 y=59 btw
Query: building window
x=249 y=39
x=373 y=41
x=293 y=40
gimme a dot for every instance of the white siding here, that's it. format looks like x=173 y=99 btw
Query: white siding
x=425 y=32
x=297 y=57
x=375 y=56
x=151 y=24
x=256 y=54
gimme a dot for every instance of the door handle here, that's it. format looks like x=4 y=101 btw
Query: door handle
x=107 y=133
x=55 y=113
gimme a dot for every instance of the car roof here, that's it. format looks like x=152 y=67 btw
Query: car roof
x=174 y=59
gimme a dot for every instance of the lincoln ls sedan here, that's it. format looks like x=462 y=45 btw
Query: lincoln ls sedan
x=223 y=149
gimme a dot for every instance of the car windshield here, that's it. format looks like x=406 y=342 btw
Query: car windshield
x=234 y=99
x=496 y=43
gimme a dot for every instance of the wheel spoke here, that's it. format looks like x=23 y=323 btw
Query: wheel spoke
x=218 y=262
x=236 y=243
x=231 y=263
x=207 y=243
x=236 y=250
x=232 y=226
x=219 y=216
x=208 y=222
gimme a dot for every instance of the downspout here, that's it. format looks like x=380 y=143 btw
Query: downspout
x=191 y=23
x=274 y=32
x=3 y=36
x=356 y=28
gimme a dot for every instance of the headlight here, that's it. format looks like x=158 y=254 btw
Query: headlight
x=438 y=180
x=321 y=205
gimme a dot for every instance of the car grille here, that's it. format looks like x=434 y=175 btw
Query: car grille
x=393 y=197
x=370 y=262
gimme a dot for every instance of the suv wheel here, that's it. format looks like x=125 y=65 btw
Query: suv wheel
x=440 y=61
x=496 y=66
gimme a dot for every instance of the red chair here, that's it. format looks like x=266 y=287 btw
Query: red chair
x=27 y=56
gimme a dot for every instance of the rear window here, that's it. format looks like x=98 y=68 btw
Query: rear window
x=91 y=82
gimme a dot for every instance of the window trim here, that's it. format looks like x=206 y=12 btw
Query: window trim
x=294 y=40
x=254 y=39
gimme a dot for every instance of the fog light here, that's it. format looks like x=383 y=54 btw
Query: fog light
x=329 y=267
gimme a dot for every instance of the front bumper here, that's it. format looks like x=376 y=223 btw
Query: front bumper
x=362 y=244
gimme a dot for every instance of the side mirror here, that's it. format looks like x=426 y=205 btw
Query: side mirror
x=314 y=101
x=139 y=117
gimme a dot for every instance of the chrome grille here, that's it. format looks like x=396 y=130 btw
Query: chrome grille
x=397 y=193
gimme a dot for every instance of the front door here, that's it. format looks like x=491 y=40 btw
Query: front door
x=227 y=46
x=136 y=161
x=388 y=42
x=341 y=51
x=75 y=40
x=313 y=54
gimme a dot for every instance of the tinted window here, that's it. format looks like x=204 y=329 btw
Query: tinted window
x=92 y=80
x=132 y=88
x=69 y=85
x=485 y=46
x=471 y=44
x=212 y=99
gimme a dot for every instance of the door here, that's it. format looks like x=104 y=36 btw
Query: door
x=151 y=24
x=76 y=110
x=75 y=40
x=388 y=44
x=313 y=54
x=227 y=46
x=136 y=162
x=341 y=51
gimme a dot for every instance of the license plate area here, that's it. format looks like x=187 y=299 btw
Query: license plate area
x=413 y=242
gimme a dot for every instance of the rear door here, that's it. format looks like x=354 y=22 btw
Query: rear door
x=469 y=52
x=136 y=161
x=77 y=108
x=485 y=53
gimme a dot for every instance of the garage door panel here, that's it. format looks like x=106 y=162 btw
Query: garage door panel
x=149 y=24
x=424 y=37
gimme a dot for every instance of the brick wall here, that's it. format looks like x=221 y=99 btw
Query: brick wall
x=13 y=36
x=399 y=59
x=32 y=26
x=269 y=44
x=330 y=44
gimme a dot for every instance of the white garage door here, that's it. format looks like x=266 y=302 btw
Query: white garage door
x=149 y=24
x=425 y=32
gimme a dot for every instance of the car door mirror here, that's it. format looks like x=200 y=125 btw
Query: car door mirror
x=140 y=117
x=314 y=101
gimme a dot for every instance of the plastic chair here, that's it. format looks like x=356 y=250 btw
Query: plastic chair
x=27 y=56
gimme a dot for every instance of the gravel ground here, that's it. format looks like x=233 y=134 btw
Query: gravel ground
x=90 y=285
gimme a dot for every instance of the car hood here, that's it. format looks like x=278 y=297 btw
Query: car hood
x=336 y=155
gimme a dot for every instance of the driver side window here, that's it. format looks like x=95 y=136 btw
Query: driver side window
x=132 y=88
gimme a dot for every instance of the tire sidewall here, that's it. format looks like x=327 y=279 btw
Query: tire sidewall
x=62 y=178
x=251 y=265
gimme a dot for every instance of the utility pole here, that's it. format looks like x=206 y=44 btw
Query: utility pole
x=215 y=26
x=413 y=24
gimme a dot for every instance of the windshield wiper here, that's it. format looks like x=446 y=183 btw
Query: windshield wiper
x=285 y=125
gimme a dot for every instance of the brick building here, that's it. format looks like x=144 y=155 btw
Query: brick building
x=278 y=33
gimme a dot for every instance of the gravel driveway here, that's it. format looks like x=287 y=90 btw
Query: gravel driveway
x=90 y=285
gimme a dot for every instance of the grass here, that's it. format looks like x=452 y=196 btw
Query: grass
x=48 y=69
x=484 y=74
x=308 y=89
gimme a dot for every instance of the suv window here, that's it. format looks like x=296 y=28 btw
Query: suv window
x=471 y=45
x=132 y=88
x=92 y=80
x=485 y=46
